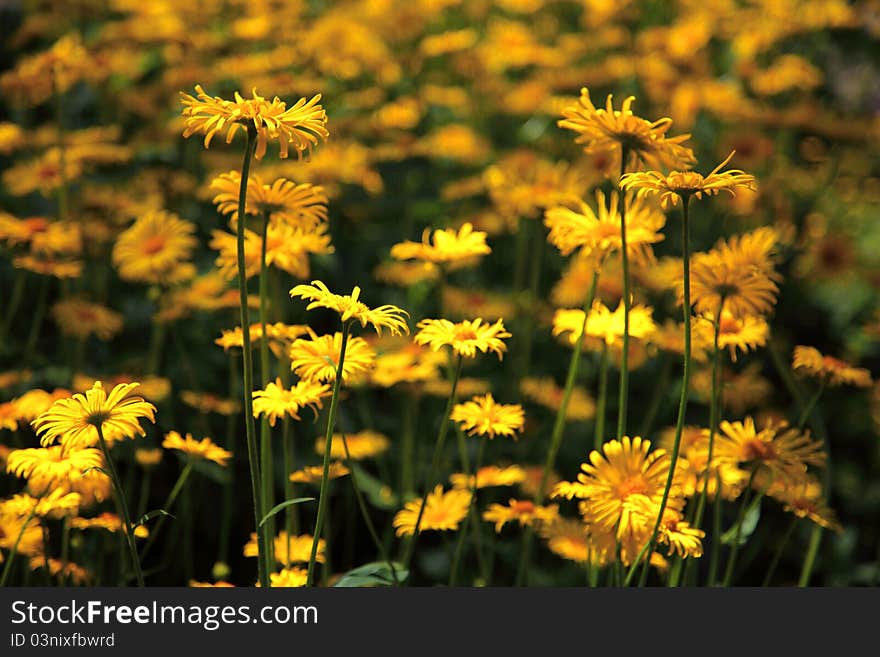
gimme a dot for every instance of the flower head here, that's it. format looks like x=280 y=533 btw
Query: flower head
x=483 y=416
x=526 y=512
x=443 y=511
x=361 y=445
x=53 y=467
x=275 y=401
x=444 y=246
x=153 y=249
x=204 y=449
x=489 y=476
x=301 y=125
x=350 y=307
x=74 y=421
x=317 y=358
x=810 y=361
x=303 y=206
x=605 y=130
x=312 y=474
x=676 y=185
x=465 y=337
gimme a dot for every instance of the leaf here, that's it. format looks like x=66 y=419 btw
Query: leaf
x=94 y=467
x=149 y=515
x=749 y=523
x=283 y=505
x=377 y=573
x=376 y=491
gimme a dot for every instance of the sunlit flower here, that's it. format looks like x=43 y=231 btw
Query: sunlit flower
x=108 y=522
x=743 y=333
x=52 y=467
x=809 y=361
x=607 y=130
x=278 y=335
x=289 y=577
x=716 y=278
x=443 y=511
x=361 y=445
x=154 y=248
x=148 y=458
x=290 y=549
x=74 y=421
x=604 y=324
x=444 y=246
x=12 y=526
x=489 y=476
x=483 y=416
x=312 y=474
x=303 y=206
x=525 y=512
x=277 y=402
x=465 y=337
x=54 y=504
x=317 y=358
x=301 y=125
x=680 y=184
x=204 y=449
x=349 y=307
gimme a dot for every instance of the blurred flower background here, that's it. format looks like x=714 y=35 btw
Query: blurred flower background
x=456 y=166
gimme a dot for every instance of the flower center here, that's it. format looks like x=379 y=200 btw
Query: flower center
x=153 y=245
x=464 y=334
x=758 y=450
x=36 y=224
x=634 y=485
x=523 y=507
x=728 y=326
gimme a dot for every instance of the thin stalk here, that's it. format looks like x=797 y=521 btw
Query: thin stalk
x=599 y=429
x=528 y=330
x=157 y=339
x=407 y=449
x=229 y=485
x=248 y=363
x=167 y=506
x=371 y=528
x=715 y=549
x=816 y=532
x=325 y=479
x=123 y=507
x=65 y=550
x=558 y=428
x=623 y=392
x=811 y=404
x=744 y=507
x=37 y=319
x=14 y=300
x=780 y=549
x=682 y=403
x=8 y=567
x=657 y=400
x=435 y=463
x=459 y=547
x=267 y=466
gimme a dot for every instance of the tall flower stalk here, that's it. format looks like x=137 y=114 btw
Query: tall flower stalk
x=623 y=391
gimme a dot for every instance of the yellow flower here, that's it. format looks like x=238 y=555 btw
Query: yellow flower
x=746 y=332
x=546 y=392
x=361 y=445
x=31 y=541
x=680 y=184
x=301 y=125
x=312 y=474
x=444 y=246
x=810 y=362
x=805 y=500
x=148 y=458
x=483 y=416
x=781 y=451
x=443 y=511
x=154 y=247
x=52 y=467
x=465 y=337
x=716 y=278
x=604 y=324
x=407 y=363
x=208 y=403
x=317 y=358
x=489 y=476
x=36 y=402
x=289 y=577
x=349 y=307
x=691 y=465
x=74 y=421
x=275 y=402
x=287 y=247
x=49 y=266
x=279 y=336
x=107 y=521
x=608 y=130
x=467 y=302
x=54 y=504
x=80 y=318
x=68 y=571
x=526 y=512
x=303 y=206
x=204 y=449
x=600 y=234
x=290 y=549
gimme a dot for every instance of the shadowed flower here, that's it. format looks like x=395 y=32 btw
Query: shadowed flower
x=525 y=512
x=204 y=449
x=312 y=474
x=444 y=246
x=361 y=445
x=489 y=476
x=809 y=361
x=302 y=206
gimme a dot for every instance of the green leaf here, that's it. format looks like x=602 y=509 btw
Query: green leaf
x=377 y=573
x=149 y=515
x=375 y=490
x=283 y=505
x=750 y=522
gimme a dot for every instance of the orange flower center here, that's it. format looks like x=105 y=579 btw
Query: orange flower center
x=36 y=224
x=832 y=364
x=462 y=334
x=758 y=450
x=634 y=485
x=153 y=245
x=522 y=507
x=728 y=326
x=607 y=230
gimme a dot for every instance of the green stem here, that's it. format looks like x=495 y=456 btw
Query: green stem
x=248 y=363
x=599 y=430
x=407 y=448
x=328 y=440
x=435 y=463
x=169 y=504
x=123 y=507
x=682 y=403
x=14 y=300
x=659 y=393
x=734 y=548
x=623 y=394
x=229 y=485
x=780 y=549
x=459 y=546
x=558 y=428
x=37 y=319
x=267 y=466
x=371 y=528
x=816 y=532
x=811 y=404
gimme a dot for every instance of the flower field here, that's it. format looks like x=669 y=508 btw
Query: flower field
x=491 y=293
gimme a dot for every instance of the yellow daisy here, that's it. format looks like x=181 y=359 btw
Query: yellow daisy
x=154 y=247
x=483 y=416
x=204 y=449
x=465 y=337
x=443 y=511
x=275 y=401
x=810 y=361
x=350 y=307
x=317 y=358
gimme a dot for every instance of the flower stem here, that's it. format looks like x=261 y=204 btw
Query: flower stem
x=14 y=301
x=407 y=450
x=816 y=533
x=123 y=507
x=328 y=440
x=777 y=555
x=169 y=503
x=267 y=468
x=682 y=403
x=37 y=319
x=435 y=463
x=623 y=393
x=248 y=362
x=734 y=548
x=601 y=403
x=459 y=546
x=558 y=427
